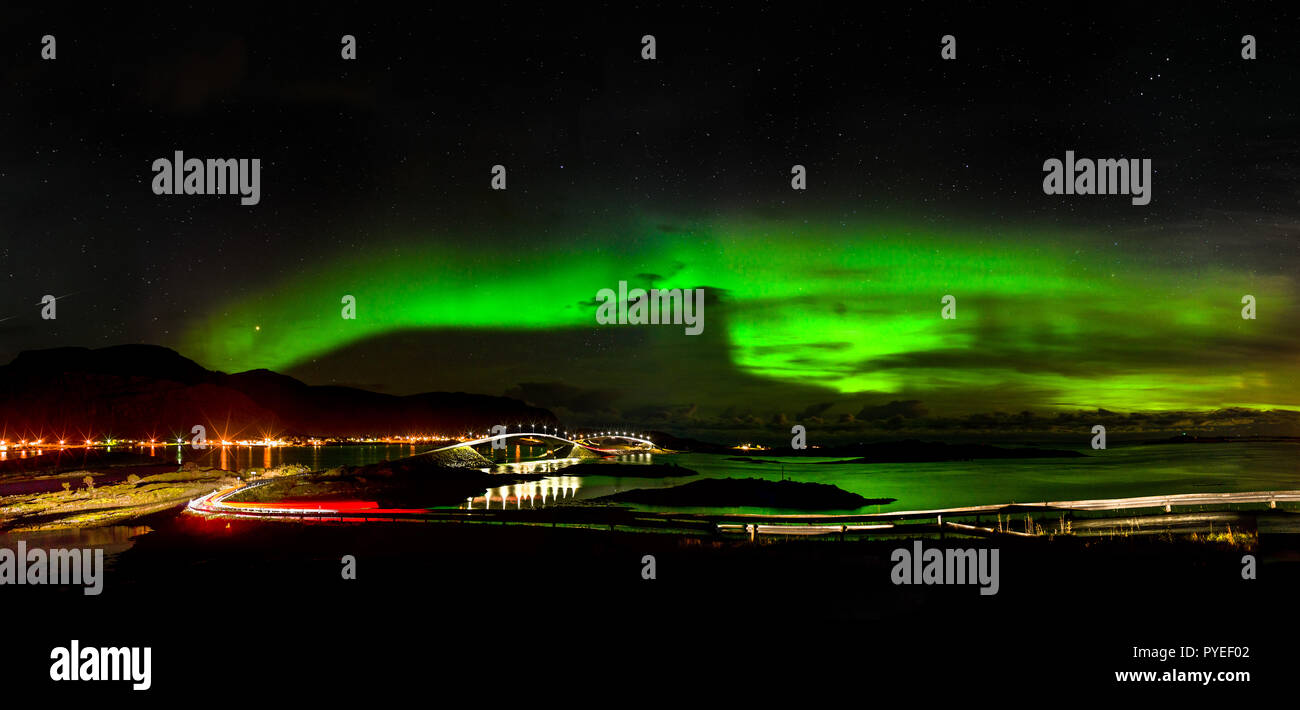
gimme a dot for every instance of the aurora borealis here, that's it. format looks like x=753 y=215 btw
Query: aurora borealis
x=639 y=348
x=856 y=315
x=924 y=180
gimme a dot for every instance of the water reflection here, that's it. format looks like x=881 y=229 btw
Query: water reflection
x=111 y=538
x=551 y=490
x=547 y=466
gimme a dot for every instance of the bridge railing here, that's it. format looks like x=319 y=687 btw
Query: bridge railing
x=614 y=518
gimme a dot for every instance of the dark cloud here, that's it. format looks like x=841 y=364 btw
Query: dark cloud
x=909 y=409
x=1071 y=428
x=558 y=395
x=210 y=69
x=816 y=410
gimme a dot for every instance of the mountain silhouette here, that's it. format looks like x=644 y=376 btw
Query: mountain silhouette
x=148 y=391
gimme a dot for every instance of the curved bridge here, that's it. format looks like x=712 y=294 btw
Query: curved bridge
x=576 y=442
x=627 y=437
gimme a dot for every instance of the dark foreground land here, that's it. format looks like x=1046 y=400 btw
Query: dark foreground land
x=233 y=608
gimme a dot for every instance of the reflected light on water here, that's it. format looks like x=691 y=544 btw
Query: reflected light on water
x=532 y=494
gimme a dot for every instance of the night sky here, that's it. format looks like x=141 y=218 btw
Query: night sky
x=924 y=179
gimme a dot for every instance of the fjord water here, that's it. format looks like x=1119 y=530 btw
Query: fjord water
x=317 y=458
x=1117 y=472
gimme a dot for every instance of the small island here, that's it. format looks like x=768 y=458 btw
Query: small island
x=735 y=492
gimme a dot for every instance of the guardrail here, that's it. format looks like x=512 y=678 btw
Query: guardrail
x=613 y=518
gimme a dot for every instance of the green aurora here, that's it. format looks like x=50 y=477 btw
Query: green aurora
x=859 y=312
